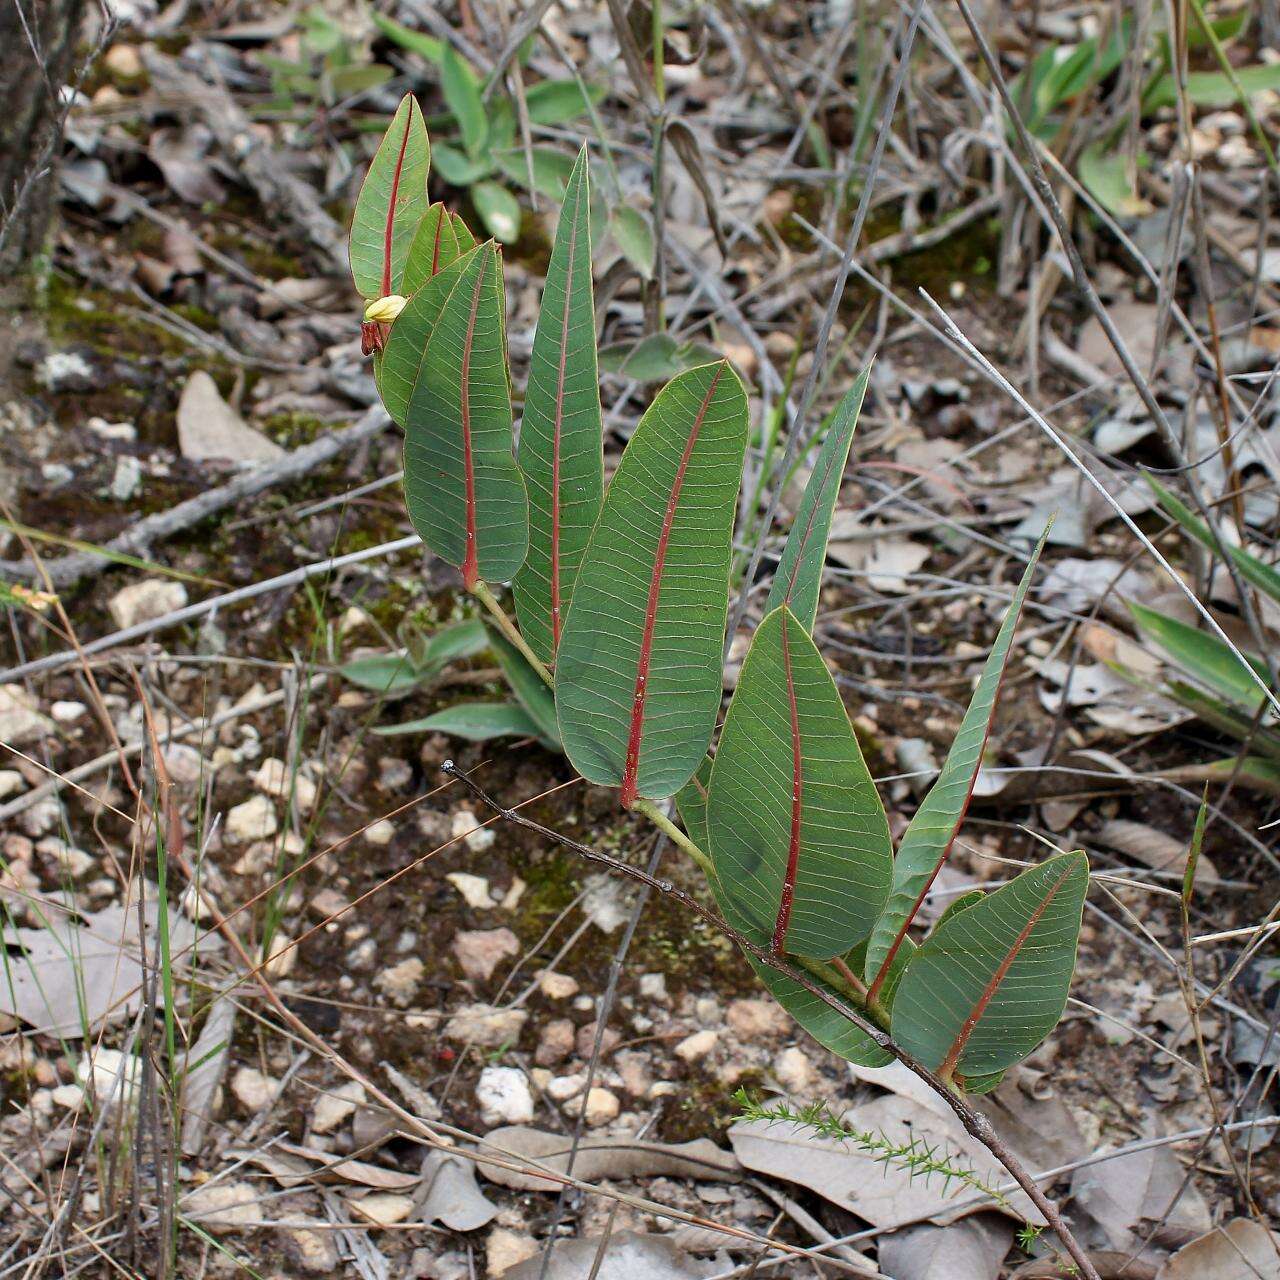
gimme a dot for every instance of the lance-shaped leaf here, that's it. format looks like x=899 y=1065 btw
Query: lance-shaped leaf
x=826 y=1025
x=638 y=670
x=927 y=841
x=529 y=687
x=691 y=803
x=799 y=575
x=991 y=982
x=434 y=247
x=391 y=204
x=399 y=367
x=562 y=433
x=475 y=721
x=797 y=833
x=466 y=241
x=464 y=491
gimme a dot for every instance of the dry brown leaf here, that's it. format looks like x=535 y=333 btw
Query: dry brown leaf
x=1241 y=1250
x=969 y=1250
x=1152 y=848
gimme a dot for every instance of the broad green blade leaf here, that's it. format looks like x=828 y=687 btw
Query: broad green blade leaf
x=498 y=210
x=1110 y=180
x=634 y=235
x=453 y=643
x=390 y=204
x=638 y=672
x=390 y=674
x=529 y=687
x=1203 y=656
x=559 y=101
x=927 y=840
x=346 y=81
x=434 y=247
x=1252 y=570
x=466 y=241
x=655 y=358
x=464 y=490
x=475 y=721
x=1213 y=88
x=400 y=365
x=562 y=433
x=461 y=92
x=962 y=902
x=415 y=41
x=1225 y=718
x=691 y=803
x=798 y=836
x=988 y=985
x=457 y=168
x=830 y=1029
x=393 y=674
x=798 y=578
x=551 y=169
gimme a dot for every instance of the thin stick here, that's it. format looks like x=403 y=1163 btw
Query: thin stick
x=502 y=618
x=974 y=1122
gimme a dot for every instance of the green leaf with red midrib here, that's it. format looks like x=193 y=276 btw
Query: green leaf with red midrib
x=465 y=494
x=638 y=672
x=990 y=982
x=926 y=844
x=391 y=203
x=561 y=451
x=798 y=578
x=796 y=832
x=434 y=247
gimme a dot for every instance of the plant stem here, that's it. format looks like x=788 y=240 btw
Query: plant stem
x=502 y=618
x=673 y=833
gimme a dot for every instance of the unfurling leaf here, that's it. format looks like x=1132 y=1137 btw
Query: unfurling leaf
x=391 y=203
x=928 y=839
x=465 y=495
x=638 y=672
x=434 y=247
x=797 y=833
x=799 y=576
x=562 y=433
x=991 y=982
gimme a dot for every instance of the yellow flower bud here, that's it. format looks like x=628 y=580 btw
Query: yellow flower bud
x=385 y=310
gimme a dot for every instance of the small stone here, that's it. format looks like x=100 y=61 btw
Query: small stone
x=68 y=1096
x=253 y=1089
x=758 y=1019
x=394 y=775
x=555 y=1044
x=380 y=833
x=327 y=903
x=504 y=1096
x=313 y=1249
x=486 y=1027
x=210 y=429
x=126 y=480
x=794 y=1071
x=183 y=764
x=254 y=819
x=283 y=957
x=123 y=61
x=67 y=712
x=224 y=1206
x=109 y=1074
x=145 y=601
x=653 y=986
x=506 y=1249
x=65 y=371
x=633 y=1068
x=20 y=719
x=334 y=1107
x=274 y=778
x=112 y=430
x=384 y=1208
x=602 y=1106
x=586 y=1040
x=11 y=782
x=696 y=1047
x=557 y=986
x=68 y=861
x=474 y=889
x=562 y=1088
x=480 y=951
x=401 y=981
x=466 y=825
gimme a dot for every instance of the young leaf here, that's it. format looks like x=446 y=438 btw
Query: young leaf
x=799 y=574
x=559 y=101
x=390 y=204
x=466 y=241
x=464 y=490
x=638 y=672
x=457 y=168
x=562 y=433
x=462 y=97
x=390 y=674
x=415 y=41
x=927 y=840
x=551 y=170
x=691 y=803
x=475 y=721
x=798 y=836
x=400 y=365
x=635 y=238
x=529 y=687
x=988 y=985
x=498 y=210
x=434 y=247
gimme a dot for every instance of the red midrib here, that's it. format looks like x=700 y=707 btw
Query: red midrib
x=975 y=1014
x=555 y=443
x=391 y=207
x=435 y=248
x=797 y=805
x=632 y=766
x=470 y=562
